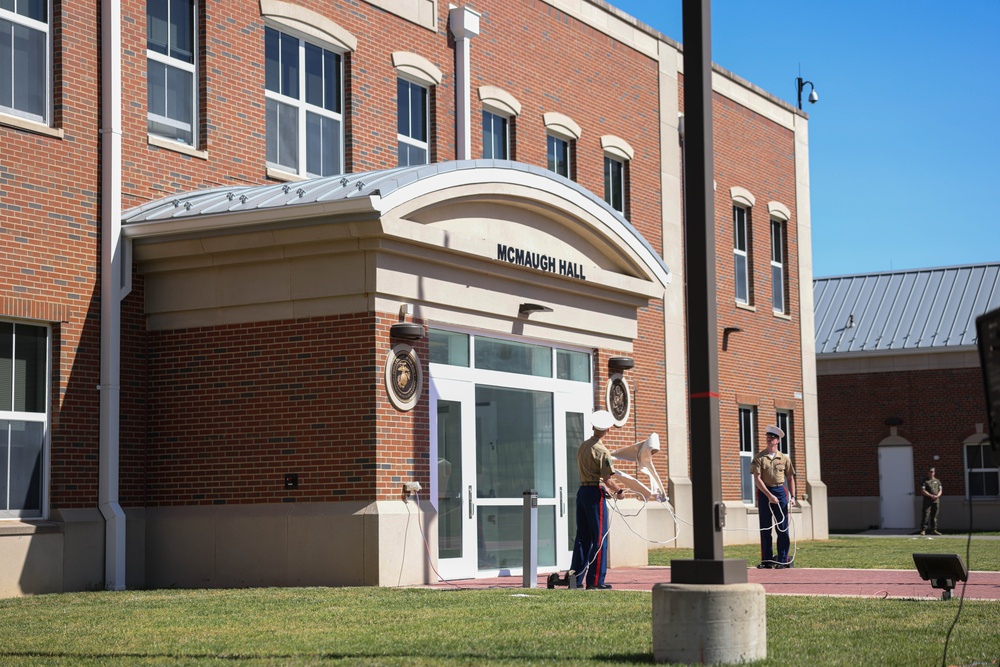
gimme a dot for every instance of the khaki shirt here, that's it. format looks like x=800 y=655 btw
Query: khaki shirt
x=931 y=486
x=593 y=461
x=772 y=471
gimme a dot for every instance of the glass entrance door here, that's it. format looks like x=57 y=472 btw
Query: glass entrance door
x=515 y=453
x=495 y=435
x=452 y=425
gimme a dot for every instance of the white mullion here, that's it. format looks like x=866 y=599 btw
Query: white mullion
x=300 y=104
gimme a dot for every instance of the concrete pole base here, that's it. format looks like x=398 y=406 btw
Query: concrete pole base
x=709 y=624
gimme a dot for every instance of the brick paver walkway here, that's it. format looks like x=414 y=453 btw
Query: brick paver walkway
x=795 y=581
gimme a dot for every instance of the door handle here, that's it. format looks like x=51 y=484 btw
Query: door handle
x=472 y=509
x=562 y=505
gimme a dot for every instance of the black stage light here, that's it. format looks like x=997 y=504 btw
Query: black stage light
x=942 y=570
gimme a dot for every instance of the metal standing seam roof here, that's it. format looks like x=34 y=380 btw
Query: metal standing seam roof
x=242 y=199
x=923 y=309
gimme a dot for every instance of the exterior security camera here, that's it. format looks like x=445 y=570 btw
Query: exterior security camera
x=813 y=97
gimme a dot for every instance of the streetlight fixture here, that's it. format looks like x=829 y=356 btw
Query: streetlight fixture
x=813 y=95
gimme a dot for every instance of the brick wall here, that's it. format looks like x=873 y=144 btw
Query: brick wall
x=50 y=249
x=234 y=408
x=762 y=363
x=49 y=213
x=939 y=409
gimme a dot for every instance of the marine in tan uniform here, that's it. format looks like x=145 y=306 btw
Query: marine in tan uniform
x=593 y=459
x=771 y=471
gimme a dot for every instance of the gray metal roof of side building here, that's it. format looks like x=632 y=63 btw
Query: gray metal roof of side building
x=915 y=310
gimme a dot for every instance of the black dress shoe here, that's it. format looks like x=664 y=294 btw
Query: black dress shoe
x=765 y=566
x=600 y=587
x=779 y=566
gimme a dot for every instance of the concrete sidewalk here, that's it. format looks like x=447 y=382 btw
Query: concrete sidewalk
x=794 y=581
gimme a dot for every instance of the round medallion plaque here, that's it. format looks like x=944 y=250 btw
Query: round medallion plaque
x=618 y=399
x=403 y=377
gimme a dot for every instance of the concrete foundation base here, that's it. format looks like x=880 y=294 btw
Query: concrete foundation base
x=702 y=624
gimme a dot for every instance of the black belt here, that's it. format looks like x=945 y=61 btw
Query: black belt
x=590 y=483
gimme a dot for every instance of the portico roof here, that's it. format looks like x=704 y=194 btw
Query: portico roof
x=370 y=194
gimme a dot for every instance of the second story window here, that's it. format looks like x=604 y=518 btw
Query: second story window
x=557 y=155
x=500 y=112
x=777 y=265
x=304 y=91
x=172 y=76
x=25 y=38
x=496 y=136
x=614 y=183
x=412 y=123
x=741 y=254
x=618 y=155
x=561 y=133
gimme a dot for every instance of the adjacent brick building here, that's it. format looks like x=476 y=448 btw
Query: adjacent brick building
x=901 y=391
x=271 y=266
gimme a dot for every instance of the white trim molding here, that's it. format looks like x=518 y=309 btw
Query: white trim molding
x=617 y=147
x=498 y=99
x=307 y=22
x=779 y=211
x=422 y=12
x=562 y=125
x=417 y=68
x=742 y=196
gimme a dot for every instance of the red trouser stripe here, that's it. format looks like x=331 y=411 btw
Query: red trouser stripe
x=600 y=543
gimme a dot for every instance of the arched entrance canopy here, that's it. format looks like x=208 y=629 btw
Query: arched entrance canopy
x=377 y=192
x=462 y=242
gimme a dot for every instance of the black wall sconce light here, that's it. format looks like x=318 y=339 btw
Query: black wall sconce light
x=726 y=332
x=621 y=363
x=407 y=331
x=529 y=308
x=894 y=421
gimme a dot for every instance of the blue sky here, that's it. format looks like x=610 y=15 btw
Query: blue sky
x=905 y=139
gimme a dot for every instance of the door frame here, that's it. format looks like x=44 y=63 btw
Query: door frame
x=458 y=383
x=895 y=472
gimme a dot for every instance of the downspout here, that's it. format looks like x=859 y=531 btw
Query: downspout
x=110 y=173
x=464 y=25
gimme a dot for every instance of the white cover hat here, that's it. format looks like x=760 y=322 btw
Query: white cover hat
x=776 y=431
x=602 y=420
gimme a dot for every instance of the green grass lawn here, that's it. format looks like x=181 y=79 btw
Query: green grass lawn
x=883 y=553
x=502 y=627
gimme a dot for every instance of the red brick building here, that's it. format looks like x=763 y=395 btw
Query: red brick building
x=269 y=266
x=901 y=391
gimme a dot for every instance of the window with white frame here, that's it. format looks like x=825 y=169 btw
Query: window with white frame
x=304 y=94
x=778 y=266
x=618 y=155
x=24 y=418
x=412 y=126
x=25 y=57
x=500 y=111
x=741 y=253
x=496 y=136
x=172 y=71
x=982 y=474
x=783 y=420
x=748 y=419
x=557 y=155
x=614 y=183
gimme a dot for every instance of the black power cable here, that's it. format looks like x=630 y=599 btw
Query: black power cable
x=961 y=598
